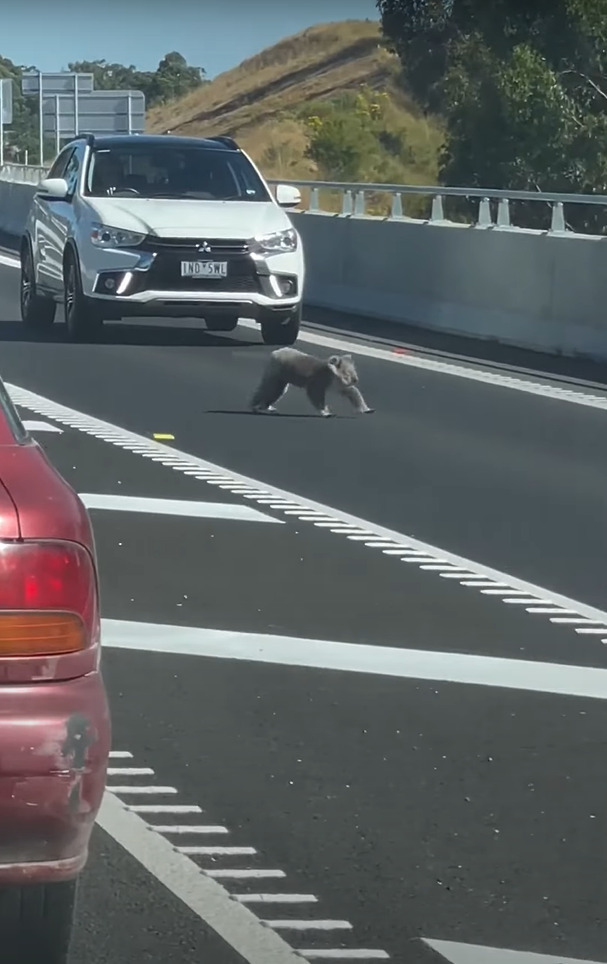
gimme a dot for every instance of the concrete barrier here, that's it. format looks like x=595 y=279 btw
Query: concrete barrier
x=526 y=288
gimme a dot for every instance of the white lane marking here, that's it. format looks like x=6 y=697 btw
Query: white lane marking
x=275 y=898
x=218 y=851
x=31 y=425
x=343 y=954
x=232 y=921
x=458 y=953
x=179 y=507
x=9 y=262
x=344 y=523
x=144 y=790
x=120 y=755
x=250 y=873
x=130 y=772
x=192 y=828
x=157 y=808
x=464 y=668
x=309 y=925
x=164 y=832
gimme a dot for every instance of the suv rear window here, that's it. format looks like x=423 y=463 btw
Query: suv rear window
x=153 y=171
x=12 y=428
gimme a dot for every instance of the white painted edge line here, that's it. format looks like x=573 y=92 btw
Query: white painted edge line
x=134 y=835
x=231 y=920
x=492 y=378
x=455 y=567
x=457 y=953
x=176 y=507
x=555 y=678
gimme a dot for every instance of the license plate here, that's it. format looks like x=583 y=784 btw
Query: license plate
x=204 y=269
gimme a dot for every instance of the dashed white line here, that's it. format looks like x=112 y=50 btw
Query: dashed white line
x=129 y=826
x=130 y=772
x=134 y=789
x=344 y=954
x=275 y=898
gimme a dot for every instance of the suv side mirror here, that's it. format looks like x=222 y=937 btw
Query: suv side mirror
x=53 y=188
x=288 y=196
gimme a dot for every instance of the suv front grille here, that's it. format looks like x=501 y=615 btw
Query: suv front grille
x=191 y=246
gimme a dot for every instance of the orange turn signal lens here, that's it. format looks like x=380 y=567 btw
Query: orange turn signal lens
x=40 y=634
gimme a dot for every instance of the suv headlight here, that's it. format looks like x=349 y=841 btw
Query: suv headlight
x=279 y=242
x=103 y=236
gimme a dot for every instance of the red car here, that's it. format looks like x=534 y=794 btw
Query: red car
x=54 y=718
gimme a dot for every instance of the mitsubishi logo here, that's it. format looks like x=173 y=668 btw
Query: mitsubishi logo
x=205 y=247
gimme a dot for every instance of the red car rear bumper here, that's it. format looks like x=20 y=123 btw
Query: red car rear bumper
x=54 y=746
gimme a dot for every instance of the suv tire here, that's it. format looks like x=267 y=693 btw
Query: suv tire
x=36 y=922
x=37 y=312
x=274 y=332
x=82 y=316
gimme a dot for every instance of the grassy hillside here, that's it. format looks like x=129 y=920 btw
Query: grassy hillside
x=271 y=102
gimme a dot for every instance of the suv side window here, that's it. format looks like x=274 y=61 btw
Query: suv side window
x=72 y=171
x=61 y=162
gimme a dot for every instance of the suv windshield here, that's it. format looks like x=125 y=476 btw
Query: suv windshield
x=153 y=171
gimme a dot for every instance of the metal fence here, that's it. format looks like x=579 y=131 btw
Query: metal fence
x=483 y=207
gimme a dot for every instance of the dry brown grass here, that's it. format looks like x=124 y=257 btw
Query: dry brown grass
x=261 y=101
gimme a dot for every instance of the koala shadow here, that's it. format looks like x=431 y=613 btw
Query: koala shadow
x=246 y=411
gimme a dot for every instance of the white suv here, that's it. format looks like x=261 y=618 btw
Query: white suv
x=165 y=226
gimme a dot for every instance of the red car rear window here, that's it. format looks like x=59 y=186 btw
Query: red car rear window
x=12 y=428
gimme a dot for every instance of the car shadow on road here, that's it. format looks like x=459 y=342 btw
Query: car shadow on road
x=245 y=411
x=165 y=336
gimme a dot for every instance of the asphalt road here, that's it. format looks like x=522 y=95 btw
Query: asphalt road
x=408 y=807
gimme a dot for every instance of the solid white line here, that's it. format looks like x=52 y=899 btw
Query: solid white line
x=309 y=925
x=342 y=954
x=218 y=851
x=148 y=790
x=359 y=658
x=178 y=507
x=33 y=426
x=96 y=427
x=186 y=828
x=232 y=921
x=457 y=953
x=121 y=755
x=275 y=898
x=253 y=874
x=130 y=772
x=199 y=829
x=163 y=808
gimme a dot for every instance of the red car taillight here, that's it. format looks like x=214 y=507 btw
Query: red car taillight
x=48 y=599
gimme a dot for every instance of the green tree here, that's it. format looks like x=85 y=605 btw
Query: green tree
x=521 y=85
x=173 y=78
x=21 y=138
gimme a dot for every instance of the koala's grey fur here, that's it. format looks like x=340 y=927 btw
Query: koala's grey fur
x=288 y=366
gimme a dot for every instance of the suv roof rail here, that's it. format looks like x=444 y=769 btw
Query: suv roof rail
x=86 y=136
x=225 y=139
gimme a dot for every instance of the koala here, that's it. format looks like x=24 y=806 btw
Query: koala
x=288 y=366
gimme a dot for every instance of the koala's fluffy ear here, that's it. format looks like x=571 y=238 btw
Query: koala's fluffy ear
x=347 y=358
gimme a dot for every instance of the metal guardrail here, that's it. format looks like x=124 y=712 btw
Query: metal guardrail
x=22 y=172
x=354 y=197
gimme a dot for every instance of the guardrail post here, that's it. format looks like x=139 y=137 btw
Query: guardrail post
x=314 y=200
x=484 y=214
x=346 y=203
x=437 y=213
x=503 y=213
x=558 y=217
x=397 y=206
x=359 y=203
